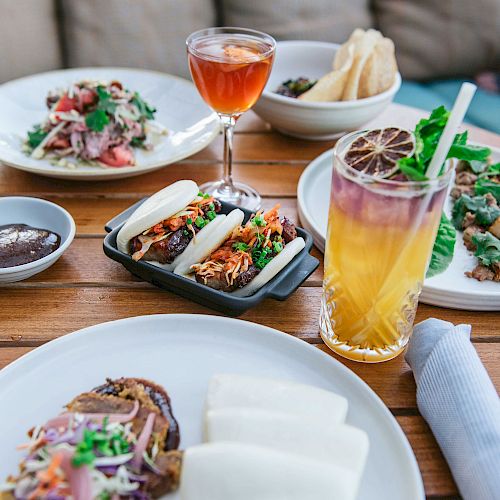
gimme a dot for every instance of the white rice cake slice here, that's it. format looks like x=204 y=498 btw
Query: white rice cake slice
x=244 y=391
x=341 y=445
x=235 y=471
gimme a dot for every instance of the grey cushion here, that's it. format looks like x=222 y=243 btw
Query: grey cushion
x=327 y=20
x=133 y=33
x=28 y=37
x=442 y=38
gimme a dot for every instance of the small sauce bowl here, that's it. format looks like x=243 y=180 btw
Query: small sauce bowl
x=41 y=214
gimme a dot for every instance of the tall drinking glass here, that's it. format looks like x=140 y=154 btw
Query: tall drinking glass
x=379 y=242
x=230 y=68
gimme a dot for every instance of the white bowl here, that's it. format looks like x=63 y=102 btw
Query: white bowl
x=37 y=213
x=314 y=120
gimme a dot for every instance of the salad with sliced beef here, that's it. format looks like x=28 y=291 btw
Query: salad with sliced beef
x=476 y=212
x=95 y=123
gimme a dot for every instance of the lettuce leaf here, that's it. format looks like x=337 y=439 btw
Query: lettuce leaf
x=444 y=245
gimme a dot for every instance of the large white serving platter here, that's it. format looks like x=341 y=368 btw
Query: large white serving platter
x=448 y=289
x=182 y=352
x=179 y=107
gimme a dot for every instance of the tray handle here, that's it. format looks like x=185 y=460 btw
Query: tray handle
x=293 y=280
x=119 y=219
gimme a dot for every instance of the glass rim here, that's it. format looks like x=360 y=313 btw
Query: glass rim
x=229 y=30
x=368 y=179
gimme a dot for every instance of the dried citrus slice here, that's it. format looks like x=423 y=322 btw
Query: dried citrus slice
x=377 y=151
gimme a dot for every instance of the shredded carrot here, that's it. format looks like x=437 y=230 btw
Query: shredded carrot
x=49 y=478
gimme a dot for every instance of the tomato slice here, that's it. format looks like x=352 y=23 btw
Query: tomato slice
x=119 y=156
x=65 y=103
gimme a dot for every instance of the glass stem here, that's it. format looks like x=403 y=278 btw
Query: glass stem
x=228 y=122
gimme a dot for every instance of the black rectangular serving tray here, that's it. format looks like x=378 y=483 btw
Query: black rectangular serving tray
x=279 y=288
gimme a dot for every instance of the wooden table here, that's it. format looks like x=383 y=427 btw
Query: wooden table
x=85 y=288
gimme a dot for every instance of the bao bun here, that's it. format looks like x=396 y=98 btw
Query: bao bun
x=158 y=207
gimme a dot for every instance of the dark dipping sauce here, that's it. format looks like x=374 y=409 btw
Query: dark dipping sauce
x=20 y=244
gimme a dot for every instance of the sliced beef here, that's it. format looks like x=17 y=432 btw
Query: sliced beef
x=165 y=251
x=458 y=191
x=90 y=402
x=218 y=282
x=245 y=277
x=469 y=219
x=481 y=273
x=151 y=396
x=469 y=232
x=289 y=231
x=465 y=178
x=169 y=465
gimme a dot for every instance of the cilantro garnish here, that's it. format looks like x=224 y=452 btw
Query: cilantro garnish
x=36 y=136
x=105 y=102
x=489 y=182
x=488 y=248
x=97 y=120
x=99 y=443
x=144 y=108
x=240 y=246
x=484 y=214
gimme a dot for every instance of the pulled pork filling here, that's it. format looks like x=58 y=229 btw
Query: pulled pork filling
x=249 y=249
x=170 y=237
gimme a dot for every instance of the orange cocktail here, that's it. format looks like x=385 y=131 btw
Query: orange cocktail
x=230 y=73
x=379 y=242
x=230 y=68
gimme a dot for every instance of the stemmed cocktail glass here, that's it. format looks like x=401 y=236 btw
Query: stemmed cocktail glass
x=230 y=67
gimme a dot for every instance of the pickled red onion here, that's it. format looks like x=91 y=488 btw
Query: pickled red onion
x=79 y=478
x=142 y=442
x=64 y=419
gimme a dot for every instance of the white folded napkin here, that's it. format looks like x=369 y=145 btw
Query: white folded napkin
x=459 y=402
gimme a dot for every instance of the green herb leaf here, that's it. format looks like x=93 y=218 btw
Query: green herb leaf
x=477 y=166
x=36 y=136
x=138 y=142
x=105 y=102
x=488 y=248
x=240 y=246
x=489 y=182
x=409 y=167
x=469 y=152
x=211 y=215
x=484 y=214
x=444 y=245
x=144 y=108
x=97 y=120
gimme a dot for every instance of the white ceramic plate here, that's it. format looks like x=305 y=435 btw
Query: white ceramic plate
x=191 y=123
x=448 y=289
x=182 y=352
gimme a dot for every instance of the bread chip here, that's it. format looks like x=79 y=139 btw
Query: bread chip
x=379 y=71
x=345 y=50
x=331 y=86
x=364 y=46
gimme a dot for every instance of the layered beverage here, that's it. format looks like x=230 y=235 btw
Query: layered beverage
x=380 y=237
